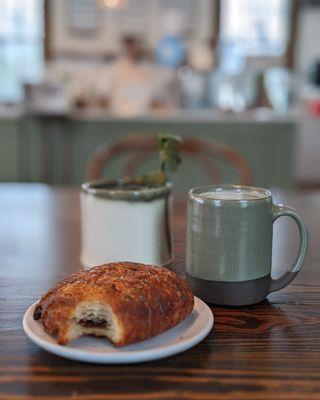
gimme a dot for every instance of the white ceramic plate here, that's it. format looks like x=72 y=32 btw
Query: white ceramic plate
x=187 y=334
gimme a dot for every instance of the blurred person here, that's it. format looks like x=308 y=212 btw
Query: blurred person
x=135 y=83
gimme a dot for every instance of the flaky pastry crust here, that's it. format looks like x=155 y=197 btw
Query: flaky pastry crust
x=143 y=300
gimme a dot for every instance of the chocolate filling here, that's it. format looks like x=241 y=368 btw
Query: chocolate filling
x=37 y=313
x=93 y=323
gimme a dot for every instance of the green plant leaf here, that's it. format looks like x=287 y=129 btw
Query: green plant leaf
x=169 y=148
x=169 y=152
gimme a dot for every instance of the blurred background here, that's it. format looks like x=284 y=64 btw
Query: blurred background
x=79 y=74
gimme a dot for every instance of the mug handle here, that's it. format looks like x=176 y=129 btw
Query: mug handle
x=288 y=276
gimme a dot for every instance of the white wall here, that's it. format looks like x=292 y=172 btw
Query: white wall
x=308 y=37
x=308 y=139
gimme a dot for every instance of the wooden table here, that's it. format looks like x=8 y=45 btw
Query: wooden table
x=267 y=351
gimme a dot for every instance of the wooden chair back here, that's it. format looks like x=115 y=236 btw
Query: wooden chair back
x=140 y=147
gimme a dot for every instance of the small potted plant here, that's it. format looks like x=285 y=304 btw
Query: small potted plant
x=129 y=219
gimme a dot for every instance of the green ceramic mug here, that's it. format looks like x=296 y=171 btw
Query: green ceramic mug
x=229 y=244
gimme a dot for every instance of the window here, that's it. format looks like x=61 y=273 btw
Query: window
x=255 y=28
x=21 y=46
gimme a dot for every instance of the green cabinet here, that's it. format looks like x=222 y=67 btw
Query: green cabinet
x=10 y=167
x=57 y=150
x=268 y=147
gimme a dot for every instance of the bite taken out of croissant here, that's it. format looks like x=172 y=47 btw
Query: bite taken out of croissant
x=125 y=302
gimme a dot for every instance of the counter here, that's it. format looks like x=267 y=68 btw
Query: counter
x=56 y=149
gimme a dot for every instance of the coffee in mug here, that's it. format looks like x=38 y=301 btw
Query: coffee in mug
x=229 y=244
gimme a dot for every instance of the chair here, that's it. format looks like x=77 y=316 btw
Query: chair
x=141 y=147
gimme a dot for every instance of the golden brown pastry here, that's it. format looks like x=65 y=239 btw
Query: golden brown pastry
x=126 y=302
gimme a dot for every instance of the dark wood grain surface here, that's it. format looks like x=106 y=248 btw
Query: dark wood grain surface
x=267 y=351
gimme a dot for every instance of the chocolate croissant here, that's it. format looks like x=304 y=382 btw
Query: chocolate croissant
x=125 y=302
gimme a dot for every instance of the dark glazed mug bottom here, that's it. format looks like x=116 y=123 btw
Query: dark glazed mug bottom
x=234 y=294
